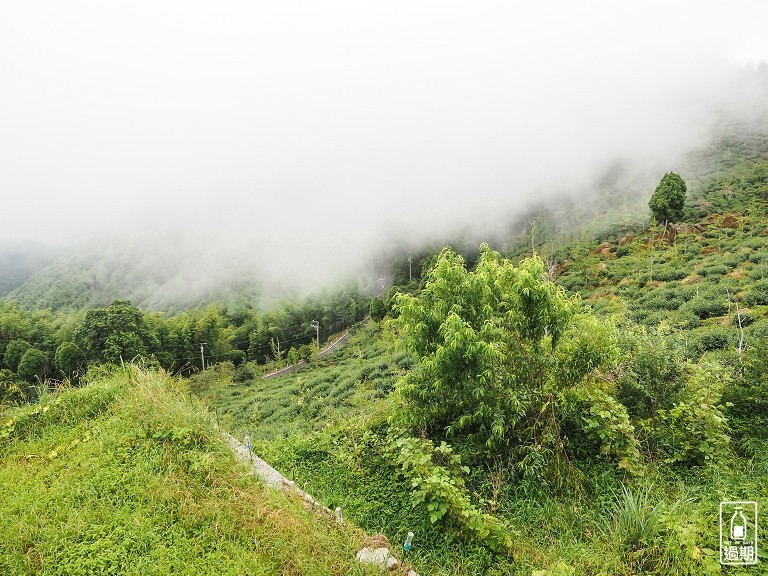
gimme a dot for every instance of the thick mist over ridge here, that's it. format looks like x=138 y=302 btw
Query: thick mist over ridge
x=290 y=142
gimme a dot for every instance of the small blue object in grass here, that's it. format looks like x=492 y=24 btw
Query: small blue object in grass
x=408 y=541
x=248 y=442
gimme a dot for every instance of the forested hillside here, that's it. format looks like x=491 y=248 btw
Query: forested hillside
x=19 y=261
x=580 y=412
x=159 y=278
x=43 y=346
x=574 y=401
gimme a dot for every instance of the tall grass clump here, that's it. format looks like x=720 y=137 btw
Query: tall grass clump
x=636 y=525
x=128 y=475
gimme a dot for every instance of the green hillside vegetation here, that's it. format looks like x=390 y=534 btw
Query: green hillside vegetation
x=327 y=427
x=578 y=402
x=658 y=400
x=18 y=262
x=127 y=475
x=324 y=426
x=92 y=274
x=704 y=278
x=42 y=346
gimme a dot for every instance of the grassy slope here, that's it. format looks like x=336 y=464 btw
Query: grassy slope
x=335 y=449
x=128 y=476
x=322 y=425
x=695 y=280
x=323 y=393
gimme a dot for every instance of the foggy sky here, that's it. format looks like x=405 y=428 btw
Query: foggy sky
x=295 y=135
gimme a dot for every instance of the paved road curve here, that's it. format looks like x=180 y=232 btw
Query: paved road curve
x=340 y=341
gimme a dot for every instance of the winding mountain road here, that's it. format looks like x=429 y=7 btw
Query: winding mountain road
x=340 y=341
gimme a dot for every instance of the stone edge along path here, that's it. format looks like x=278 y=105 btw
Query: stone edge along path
x=274 y=479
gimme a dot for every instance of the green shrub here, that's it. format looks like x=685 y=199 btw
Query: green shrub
x=651 y=317
x=694 y=431
x=708 y=304
x=669 y=272
x=745 y=319
x=11 y=392
x=441 y=489
x=714 y=270
x=597 y=423
x=404 y=360
x=711 y=338
x=623 y=250
x=686 y=319
x=754 y=243
x=244 y=372
x=760 y=257
x=237 y=357
x=667 y=298
x=758 y=293
x=746 y=396
x=758 y=272
x=733 y=260
x=653 y=372
x=378 y=309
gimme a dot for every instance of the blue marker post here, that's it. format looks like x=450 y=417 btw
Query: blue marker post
x=248 y=445
x=407 y=545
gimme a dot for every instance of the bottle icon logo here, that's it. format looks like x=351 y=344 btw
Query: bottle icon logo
x=738 y=524
x=738 y=533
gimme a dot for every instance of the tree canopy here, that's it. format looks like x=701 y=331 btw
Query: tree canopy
x=498 y=349
x=33 y=365
x=115 y=333
x=668 y=200
x=69 y=359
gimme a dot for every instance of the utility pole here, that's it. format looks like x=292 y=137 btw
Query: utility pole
x=252 y=343
x=202 y=355
x=316 y=326
x=410 y=274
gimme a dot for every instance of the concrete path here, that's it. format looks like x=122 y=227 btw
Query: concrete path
x=274 y=479
x=269 y=475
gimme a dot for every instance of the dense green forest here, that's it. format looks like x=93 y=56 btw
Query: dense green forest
x=575 y=398
x=42 y=346
x=20 y=261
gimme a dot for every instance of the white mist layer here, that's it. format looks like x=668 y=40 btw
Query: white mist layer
x=291 y=141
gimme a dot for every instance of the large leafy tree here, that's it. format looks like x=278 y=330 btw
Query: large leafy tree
x=14 y=352
x=69 y=360
x=115 y=333
x=500 y=353
x=668 y=200
x=33 y=365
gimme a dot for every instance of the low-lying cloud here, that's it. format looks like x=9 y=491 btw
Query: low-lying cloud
x=294 y=138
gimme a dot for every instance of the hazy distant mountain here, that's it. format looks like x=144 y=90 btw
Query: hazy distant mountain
x=19 y=261
x=176 y=270
x=95 y=272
